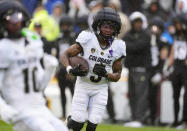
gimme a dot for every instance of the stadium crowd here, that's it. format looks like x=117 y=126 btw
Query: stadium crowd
x=155 y=34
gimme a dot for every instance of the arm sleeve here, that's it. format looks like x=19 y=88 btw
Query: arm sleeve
x=2 y=102
x=44 y=76
x=4 y=64
x=1 y=79
x=4 y=57
x=7 y=112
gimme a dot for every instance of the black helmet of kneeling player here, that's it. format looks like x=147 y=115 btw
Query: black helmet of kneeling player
x=13 y=17
x=107 y=14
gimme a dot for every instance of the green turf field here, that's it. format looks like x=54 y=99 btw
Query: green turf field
x=105 y=127
x=5 y=127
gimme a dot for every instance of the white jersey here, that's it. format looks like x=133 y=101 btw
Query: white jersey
x=20 y=62
x=180 y=47
x=94 y=54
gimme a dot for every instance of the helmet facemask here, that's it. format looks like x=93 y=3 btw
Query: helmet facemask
x=110 y=16
x=106 y=37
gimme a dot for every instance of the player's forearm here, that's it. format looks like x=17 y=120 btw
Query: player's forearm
x=113 y=77
x=45 y=79
x=171 y=57
x=64 y=59
x=117 y=69
x=73 y=50
x=50 y=64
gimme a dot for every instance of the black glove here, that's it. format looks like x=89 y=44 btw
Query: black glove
x=76 y=71
x=99 y=69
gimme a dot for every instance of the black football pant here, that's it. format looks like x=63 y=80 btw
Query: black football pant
x=138 y=93
x=179 y=80
x=110 y=106
x=63 y=84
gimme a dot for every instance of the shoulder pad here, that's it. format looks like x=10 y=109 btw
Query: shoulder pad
x=120 y=46
x=5 y=53
x=84 y=36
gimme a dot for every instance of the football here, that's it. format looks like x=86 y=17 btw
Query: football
x=76 y=60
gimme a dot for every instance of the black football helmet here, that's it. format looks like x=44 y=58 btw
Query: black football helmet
x=107 y=14
x=13 y=17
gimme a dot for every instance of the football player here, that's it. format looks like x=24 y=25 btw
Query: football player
x=104 y=53
x=23 y=77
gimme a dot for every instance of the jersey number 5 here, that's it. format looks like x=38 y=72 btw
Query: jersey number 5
x=95 y=80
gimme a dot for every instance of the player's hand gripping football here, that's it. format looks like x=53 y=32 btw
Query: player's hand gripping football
x=99 y=69
x=76 y=71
